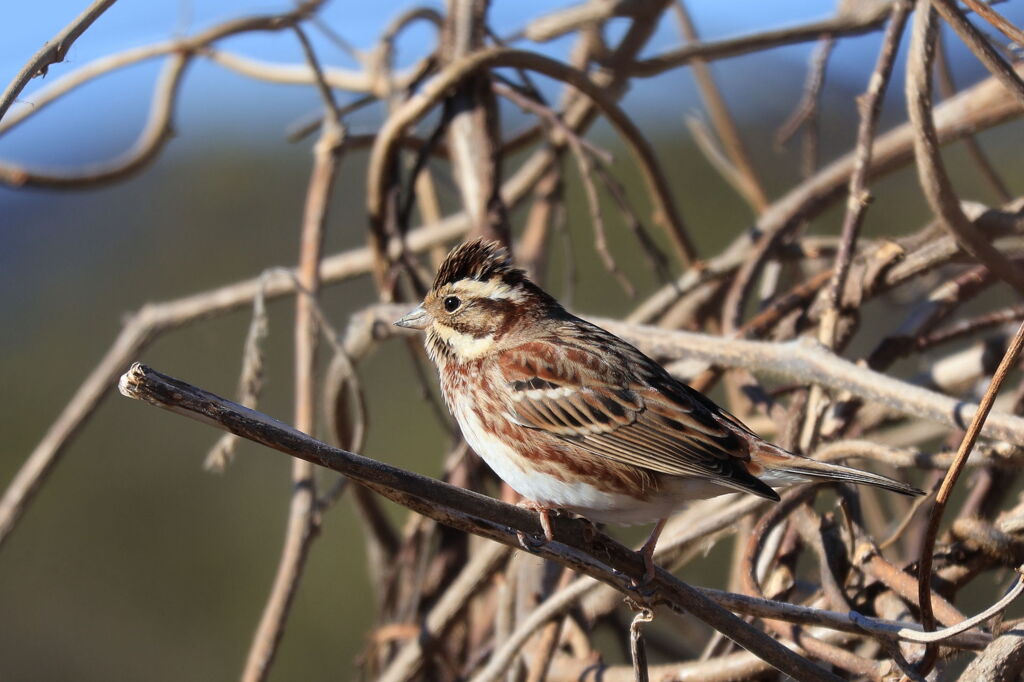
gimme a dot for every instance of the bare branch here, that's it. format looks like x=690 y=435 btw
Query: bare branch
x=303 y=519
x=854 y=19
x=726 y=128
x=157 y=132
x=996 y=19
x=155 y=319
x=382 y=156
x=577 y=544
x=931 y=170
x=1008 y=362
x=52 y=52
x=981 y=48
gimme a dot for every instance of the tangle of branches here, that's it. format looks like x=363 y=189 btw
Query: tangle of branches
x=827 y=584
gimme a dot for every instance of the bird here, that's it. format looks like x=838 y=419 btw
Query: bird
x=574 y=418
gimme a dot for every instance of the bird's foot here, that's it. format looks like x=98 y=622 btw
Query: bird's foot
x=647 y=555
x=649 y=567
x=530 y=543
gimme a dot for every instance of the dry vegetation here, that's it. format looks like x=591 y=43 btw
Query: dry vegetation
x=821 y=591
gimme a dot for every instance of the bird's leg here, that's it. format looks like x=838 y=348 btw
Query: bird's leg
x=545 y=522
x=647 y=551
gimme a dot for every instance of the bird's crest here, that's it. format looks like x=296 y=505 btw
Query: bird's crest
x=480 y=260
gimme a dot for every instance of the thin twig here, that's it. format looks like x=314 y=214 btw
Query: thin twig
x=52 y=52
x=728 y=133
x=581 y=152
x=250 y=382
x=637 y=650
x=947 y=632
x=980 y=46
x=945 y=490
x=936 y=184
x=857 y=18
x=806 y=110
x=948 y=89
x=996 y=19
x=870 y=106
x=303 y=519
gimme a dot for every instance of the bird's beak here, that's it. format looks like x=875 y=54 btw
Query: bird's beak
x=415 y=319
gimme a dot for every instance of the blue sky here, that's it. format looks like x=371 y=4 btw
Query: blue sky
x=112 y=109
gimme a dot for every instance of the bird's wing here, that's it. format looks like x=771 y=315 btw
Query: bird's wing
x=611 y=400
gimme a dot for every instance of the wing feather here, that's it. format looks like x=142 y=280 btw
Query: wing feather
x=621 y=405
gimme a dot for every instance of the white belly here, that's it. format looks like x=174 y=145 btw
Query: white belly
x=581 y=498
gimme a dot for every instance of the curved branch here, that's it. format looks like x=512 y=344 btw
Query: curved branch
x=159 y=126
x=932 y=173
x=977 y=108
x=48 y=94
x=383 y=155
x=52 y=52
x=157 y=132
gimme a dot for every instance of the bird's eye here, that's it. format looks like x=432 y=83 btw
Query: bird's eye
x=452 y=303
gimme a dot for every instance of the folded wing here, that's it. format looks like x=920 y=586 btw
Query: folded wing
x=619 y=404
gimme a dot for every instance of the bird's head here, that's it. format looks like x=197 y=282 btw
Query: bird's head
x=479 y=302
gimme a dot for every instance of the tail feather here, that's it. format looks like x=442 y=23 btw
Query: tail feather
x=825 y=471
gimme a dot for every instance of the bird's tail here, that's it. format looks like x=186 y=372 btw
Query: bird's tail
x=785 y=468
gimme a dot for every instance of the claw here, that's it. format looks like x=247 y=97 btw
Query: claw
x=528 y=542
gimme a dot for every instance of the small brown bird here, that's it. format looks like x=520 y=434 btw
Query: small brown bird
x=573 y=417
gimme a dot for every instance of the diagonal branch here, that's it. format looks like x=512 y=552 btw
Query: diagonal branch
x=981 y=48
x=998 y=20
x=577 y=546
x=52 y=52
x=857 y=17
x=1008 y=362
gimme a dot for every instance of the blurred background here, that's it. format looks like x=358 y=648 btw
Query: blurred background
x=134 y=563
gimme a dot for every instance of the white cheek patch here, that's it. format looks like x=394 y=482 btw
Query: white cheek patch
x=467 y=347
